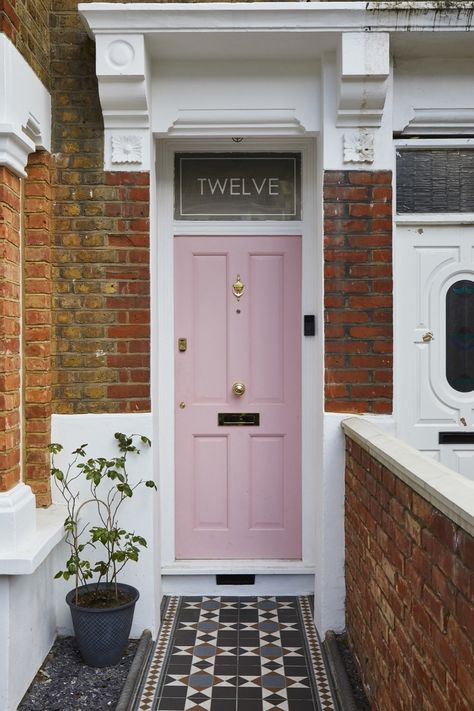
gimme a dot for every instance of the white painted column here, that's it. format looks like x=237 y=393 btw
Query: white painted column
x=357 y=135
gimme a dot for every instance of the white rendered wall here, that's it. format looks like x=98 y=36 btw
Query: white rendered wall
x=218 y=92
x=140 y=514
x=425 y=89
x=27 y=630
x=329 y=592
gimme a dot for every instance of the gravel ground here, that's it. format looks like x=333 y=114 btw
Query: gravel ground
x=65 y=683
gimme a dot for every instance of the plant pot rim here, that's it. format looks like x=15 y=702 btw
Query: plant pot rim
x=102 y=610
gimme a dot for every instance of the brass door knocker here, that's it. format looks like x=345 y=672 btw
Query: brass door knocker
x=238 y=287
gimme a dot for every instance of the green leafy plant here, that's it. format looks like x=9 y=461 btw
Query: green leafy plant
x=109 y=488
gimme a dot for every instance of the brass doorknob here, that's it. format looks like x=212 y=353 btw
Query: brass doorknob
x=238 y=389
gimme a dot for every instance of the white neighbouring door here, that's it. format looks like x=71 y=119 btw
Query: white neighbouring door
x=238 y=486
x=435 y=326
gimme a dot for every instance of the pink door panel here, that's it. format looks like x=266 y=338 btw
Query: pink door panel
x=266 y=327
x=210 y=455
x=238 y=488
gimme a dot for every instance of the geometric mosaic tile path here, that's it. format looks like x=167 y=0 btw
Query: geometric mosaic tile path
x=237 y=654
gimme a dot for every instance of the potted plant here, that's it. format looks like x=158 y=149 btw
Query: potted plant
x=102 y=611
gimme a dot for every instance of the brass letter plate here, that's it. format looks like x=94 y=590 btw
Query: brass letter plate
x=238 y=419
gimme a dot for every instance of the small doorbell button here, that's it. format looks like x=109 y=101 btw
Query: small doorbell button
x=309 y=325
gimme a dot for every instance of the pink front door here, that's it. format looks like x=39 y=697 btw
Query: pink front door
x=238 y=487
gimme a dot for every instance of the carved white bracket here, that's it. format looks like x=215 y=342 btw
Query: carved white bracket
x=359 y=147
x=364 y=71
x=25 y=110
x=122 y=71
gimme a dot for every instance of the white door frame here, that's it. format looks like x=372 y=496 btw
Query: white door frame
x=163 y=386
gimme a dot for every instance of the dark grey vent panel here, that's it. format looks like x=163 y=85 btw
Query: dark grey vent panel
x=440 y=180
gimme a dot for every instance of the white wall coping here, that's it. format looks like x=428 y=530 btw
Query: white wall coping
x=263 y=16
x=25 y=559
x=442 y=487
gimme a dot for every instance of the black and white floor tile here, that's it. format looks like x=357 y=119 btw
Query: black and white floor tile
x=237 y=654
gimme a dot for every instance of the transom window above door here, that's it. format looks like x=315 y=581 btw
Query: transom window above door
x=237 y=186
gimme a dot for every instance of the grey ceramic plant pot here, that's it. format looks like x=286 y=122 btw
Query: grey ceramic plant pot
x=102 y=634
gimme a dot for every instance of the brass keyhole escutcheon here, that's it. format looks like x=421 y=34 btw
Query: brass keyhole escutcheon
x=238 y=389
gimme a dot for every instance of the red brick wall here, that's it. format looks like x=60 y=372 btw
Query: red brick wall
x=26 y=24
x=10 y=362
x=37 y=325
x=25 y=363
x=358 y=291
x=9 y=22
x=410 y=586
x=25 y=326
x=101 y=280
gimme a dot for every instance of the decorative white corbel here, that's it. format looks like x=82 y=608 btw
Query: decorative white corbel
x=25 y=110
x=363 y=83
x=122 y=72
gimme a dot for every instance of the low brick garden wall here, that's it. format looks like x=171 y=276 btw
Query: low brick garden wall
x=409 y=574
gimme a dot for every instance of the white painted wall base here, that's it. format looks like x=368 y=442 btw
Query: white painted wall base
x=264 y=585
x=27 y=630
x=329 y=587
x=27 y=613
